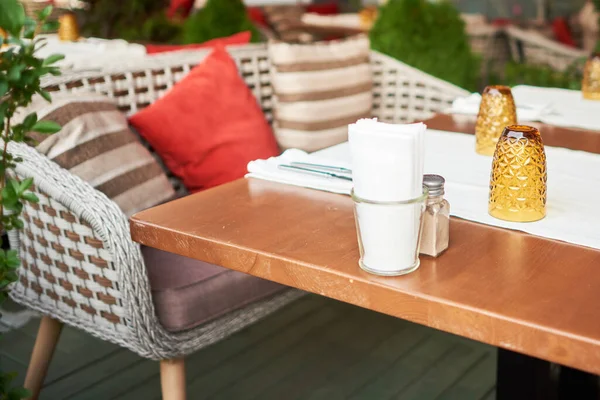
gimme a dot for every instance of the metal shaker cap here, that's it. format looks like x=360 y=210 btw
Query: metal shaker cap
x=435 y=184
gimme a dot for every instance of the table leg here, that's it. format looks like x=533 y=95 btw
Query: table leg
x=576 y=384
x=521 y=377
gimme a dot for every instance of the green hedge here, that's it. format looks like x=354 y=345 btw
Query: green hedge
x=429 y=36
x=218 y=18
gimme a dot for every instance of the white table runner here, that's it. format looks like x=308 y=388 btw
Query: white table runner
x=573 y=186
x=559 y=107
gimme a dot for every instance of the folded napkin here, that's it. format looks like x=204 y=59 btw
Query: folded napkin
x=387 y=159
x=570 y=109
x=269 y=170
x=526 y=111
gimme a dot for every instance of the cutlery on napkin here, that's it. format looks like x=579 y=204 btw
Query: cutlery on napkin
x=296 y=167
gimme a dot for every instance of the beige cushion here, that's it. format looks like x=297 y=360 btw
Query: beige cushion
x=320 y=88
x=96 y=144
x=188 y=293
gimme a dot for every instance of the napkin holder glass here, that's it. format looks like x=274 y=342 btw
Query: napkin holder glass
x=496 y=111
x=389 y=233
x=519 y=175
x=590 y=85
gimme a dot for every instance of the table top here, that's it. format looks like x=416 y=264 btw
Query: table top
x=505 y=288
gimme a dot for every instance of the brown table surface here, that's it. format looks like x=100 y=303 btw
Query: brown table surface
x=532 y=295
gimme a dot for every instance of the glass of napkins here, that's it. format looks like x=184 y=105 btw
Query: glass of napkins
x=387 y=170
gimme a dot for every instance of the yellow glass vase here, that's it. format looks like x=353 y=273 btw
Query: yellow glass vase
x=591 y=78
x=4 y=36
x=68 y=29
x=496 y=111
x=518 y=178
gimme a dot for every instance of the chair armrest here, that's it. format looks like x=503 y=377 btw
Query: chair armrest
x=79 y=263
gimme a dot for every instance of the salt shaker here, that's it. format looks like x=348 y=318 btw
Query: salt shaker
x=436 y=218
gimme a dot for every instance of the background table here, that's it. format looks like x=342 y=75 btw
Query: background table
x=519 y=292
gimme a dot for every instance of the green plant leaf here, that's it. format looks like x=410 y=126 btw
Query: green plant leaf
x=12 y=259
x=18 y=223
x=29 y=121
x=50 y=26
x=3 y=87
x=45 y=95
x=26 y=184
x=14 y=73
x=31 y=197
x=46 y=127
x=15 y=186
x=45 y=13
x=51 y=59
x=12 y=16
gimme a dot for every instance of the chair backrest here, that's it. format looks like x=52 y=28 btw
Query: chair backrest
x=533 y=48
x=401 y=93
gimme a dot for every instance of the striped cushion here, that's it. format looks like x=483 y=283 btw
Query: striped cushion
x=96 y=144
x=320 y=88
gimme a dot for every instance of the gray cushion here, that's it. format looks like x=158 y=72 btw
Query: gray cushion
x=188 y=293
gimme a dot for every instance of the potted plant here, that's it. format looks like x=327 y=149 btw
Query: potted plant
x=20 y=80
x=590 y=85
x=429 y=36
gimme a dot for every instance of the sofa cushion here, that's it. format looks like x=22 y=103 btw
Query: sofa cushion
x=96 y=144
x=235 y=39
x=320 y=88
x=188 y=293
x=209 y=126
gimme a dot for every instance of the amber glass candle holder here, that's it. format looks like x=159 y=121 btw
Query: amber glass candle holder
x=68 y=29
x=591 y=78
x=518 y=179
x=497 y=111
x=4 y=36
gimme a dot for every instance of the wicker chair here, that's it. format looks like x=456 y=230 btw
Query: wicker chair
x=531 y=47
x=80 y=266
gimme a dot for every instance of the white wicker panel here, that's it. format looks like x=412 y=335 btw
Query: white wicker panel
x=404 y=94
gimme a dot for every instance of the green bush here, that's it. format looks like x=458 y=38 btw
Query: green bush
x=217 y=19
x=429 y=36
x=542 y=76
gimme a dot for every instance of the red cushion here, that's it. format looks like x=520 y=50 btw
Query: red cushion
x=180 y=7
x=324 y=9
x=238 y=38
x=562 y=32
x=209 y=126
x=257 y=16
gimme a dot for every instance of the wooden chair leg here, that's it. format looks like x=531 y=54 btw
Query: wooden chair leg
x=172 y=379
x=45 y=343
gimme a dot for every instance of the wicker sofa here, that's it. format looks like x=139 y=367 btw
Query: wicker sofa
x=80 y=266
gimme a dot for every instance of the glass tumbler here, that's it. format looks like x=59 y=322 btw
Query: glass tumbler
x=389 y=234
x=518 y=178
x=496 y=111
x=590 y=85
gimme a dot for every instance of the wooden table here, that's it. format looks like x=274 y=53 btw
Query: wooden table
x=523 y=293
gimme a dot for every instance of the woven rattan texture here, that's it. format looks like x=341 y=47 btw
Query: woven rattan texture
x=79 y=262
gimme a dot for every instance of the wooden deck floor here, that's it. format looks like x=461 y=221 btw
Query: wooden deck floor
x=313 y=349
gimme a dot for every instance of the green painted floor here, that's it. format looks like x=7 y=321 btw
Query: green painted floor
x=315 y=348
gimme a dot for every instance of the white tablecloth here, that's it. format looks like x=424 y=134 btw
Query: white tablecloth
x=573 y=186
